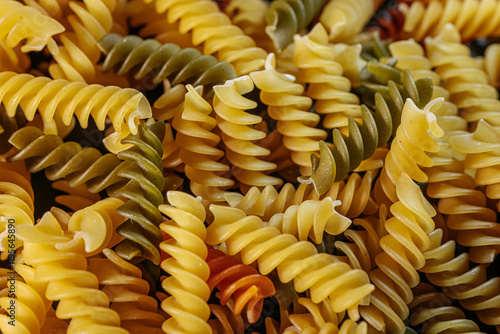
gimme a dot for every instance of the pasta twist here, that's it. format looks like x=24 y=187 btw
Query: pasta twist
x=77 y=198
x=243 y=282
x=469 y=286
x=226 y=321
x=66 y=160
x=403 y=247
x=12 y=59
x=187 y=286
x=463 y=77
x=408 y=149
x=215 y=31
x=325 y=276
x=63 y=99
x=128 y=293
x=310 y=219
x=198 y=151
x=437 y=318
x=8 y=125
x=319 y=68
x=16 y=207
x=285 y=102
x=492 y=64
x=285 y=18
x=474 y=19
x=238 y=135
x=344 y=19
x=163 y=61
x=20 y=22
x=78 y=54
x=58 y=258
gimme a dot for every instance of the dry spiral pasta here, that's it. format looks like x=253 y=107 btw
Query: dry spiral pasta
x=492 y=64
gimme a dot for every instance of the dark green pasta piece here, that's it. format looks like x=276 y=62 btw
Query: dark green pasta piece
x=163 y=61
x=374 y=131
x=144 y=171
x=8 y=125
x=285 y=18
x=66 y=160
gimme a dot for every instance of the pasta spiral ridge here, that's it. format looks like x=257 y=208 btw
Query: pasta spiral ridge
x=128 y=293
x=20 y=22
x=401 y=257
x=238 y=135
x=163 y=61
x=474 y=19
x=408 y=149
x=285 y=18
x=243 y=282
x=310 y=219
x=492 y=64
x=187 y=285
x=326 y=277
x=63 y=99
x=76 y=198
x=16 y=206
x=215 y=31
x=142 y=167
x=59 y=260
x=319 y=68
x=78 y=54
x=469 y=286
x=375 y=130
x=437 y=318
x=463 y=77
x=226 y=321
x=68 y=160
x=285 y=102
x=198 y=147
x=8 y=125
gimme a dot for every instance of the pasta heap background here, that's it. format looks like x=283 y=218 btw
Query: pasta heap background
x=249 y=166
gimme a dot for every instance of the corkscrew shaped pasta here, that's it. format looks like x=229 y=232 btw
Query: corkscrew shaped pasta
x=290 y=109
x=469 y=286
x=344 y=19
x=375 y=130
x=226 y=321
x=408 y=149
x=435 y=313
x=318 y=67
x=215 y=31
x=474 y=19
x=58 y=258
x=149 y=58
x=285 y=18
x=238 y=134
x=482 y=149
x=16 y=207
x=241 y=281
x=310 y=219
x=187 y=286
x=402 y=255
x=198 y=147
x=77 y=55
x=127 y=292
x=68 y=160
x=463 y=77
x=8 y=125
x=143 y=169
x=63 y=99
x=12 y=59
x=492 y=64
x=324 y=275
x=20 y=22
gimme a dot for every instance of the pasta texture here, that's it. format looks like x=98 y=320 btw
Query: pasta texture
x=142 y=167
x=239 y=136
x=186 y=263
x=402 y=255
x=285 y=18
x=243 y=282
x=149 y=58
x=8 y=125
x=215 y=31
x=63 y=99
x=492 y=64
x=343 y=287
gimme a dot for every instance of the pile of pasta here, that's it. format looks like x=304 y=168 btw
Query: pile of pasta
x=249 y=166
